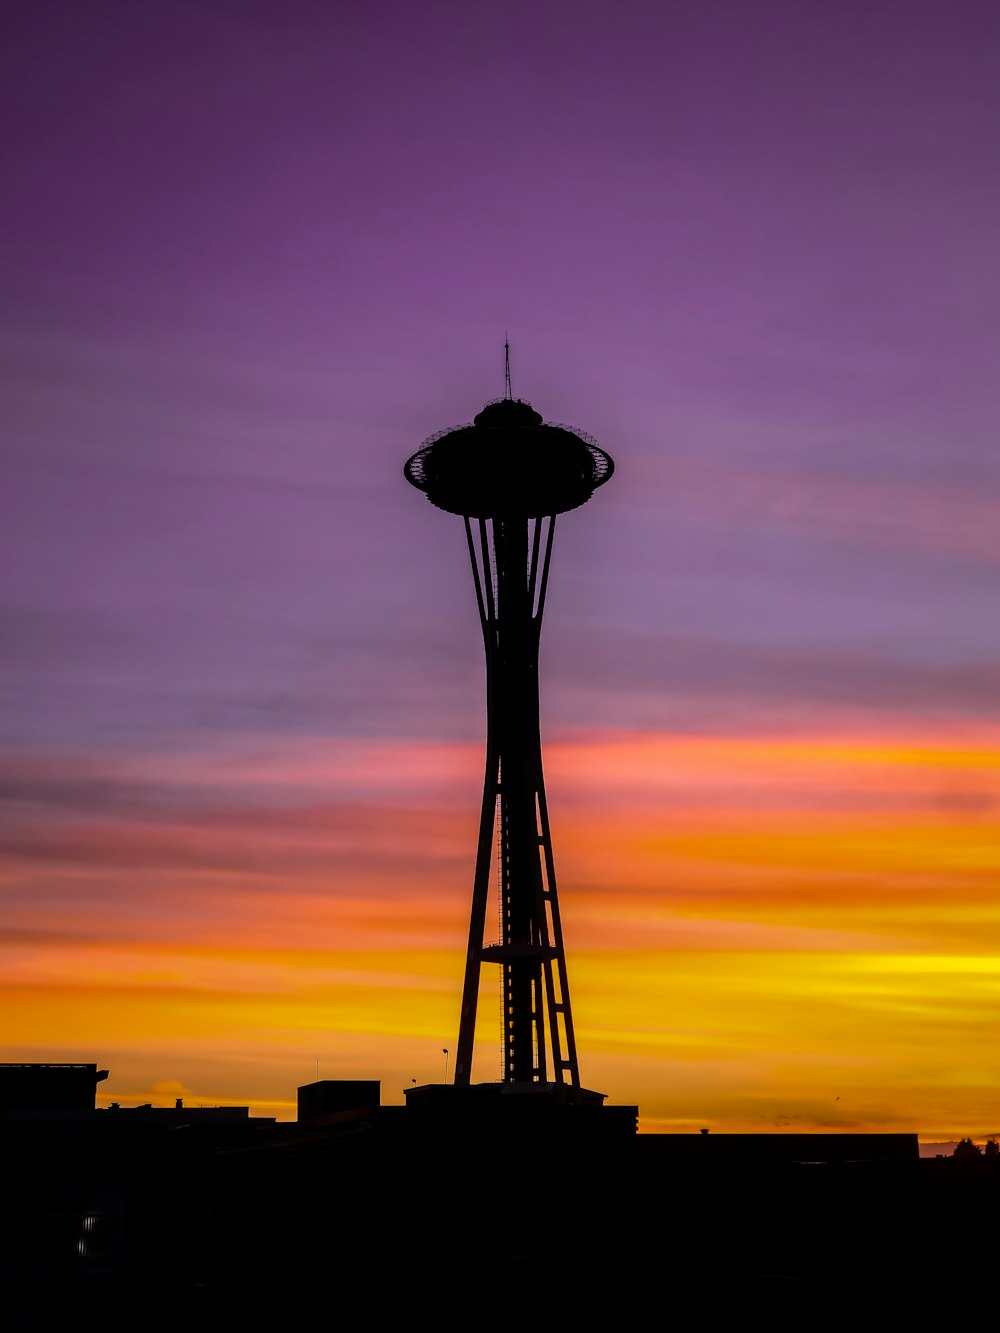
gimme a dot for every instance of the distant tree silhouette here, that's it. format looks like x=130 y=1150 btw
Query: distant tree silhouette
x=992 y=1148
x=967 y=1149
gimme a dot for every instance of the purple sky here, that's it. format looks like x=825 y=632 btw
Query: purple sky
x=255 y=252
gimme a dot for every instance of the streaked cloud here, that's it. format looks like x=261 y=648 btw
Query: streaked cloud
x=790 y=903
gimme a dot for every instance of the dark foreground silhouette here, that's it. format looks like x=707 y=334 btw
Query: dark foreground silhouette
x=483 y=1207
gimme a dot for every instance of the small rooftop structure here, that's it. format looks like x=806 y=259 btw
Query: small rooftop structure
x=330 y=1097
x=49 y=1087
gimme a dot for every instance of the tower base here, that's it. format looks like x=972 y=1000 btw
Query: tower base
x=513 y=1109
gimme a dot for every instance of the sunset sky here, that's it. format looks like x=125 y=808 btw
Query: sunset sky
x=254 y=253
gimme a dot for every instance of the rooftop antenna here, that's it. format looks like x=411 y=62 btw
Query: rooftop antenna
x=506 y=368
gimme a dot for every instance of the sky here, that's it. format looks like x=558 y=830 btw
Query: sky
x=254 y=253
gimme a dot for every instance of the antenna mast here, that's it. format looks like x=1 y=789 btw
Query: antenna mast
x=506 y=369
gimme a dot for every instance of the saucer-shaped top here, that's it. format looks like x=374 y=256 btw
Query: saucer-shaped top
x=508 y=463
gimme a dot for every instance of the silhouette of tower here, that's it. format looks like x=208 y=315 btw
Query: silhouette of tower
x=508 y=475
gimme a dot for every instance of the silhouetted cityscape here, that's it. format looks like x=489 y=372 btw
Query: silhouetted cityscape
x=524 y=1198
x=206 y=1215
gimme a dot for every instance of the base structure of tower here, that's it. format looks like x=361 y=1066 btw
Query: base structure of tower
x=509 y=475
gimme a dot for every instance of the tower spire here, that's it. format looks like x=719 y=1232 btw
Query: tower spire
x=509 y=474
x=506 y=368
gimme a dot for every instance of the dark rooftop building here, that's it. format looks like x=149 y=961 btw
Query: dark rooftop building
x=49 y=1087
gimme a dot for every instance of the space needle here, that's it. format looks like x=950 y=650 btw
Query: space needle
x=508 y=475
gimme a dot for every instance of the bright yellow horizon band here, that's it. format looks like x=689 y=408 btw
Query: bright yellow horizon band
x=762 y=932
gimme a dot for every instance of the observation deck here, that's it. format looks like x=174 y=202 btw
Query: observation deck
x=508 y=462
